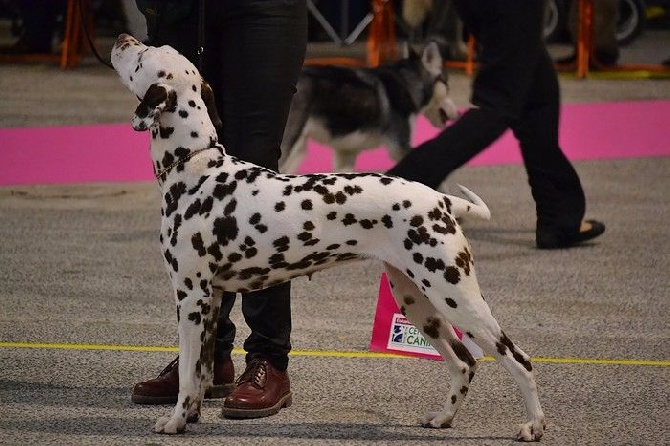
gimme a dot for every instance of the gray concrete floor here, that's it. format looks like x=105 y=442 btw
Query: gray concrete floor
x=81 y=279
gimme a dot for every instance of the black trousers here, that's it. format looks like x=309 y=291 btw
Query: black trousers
x=253 y=54
x=516 y=87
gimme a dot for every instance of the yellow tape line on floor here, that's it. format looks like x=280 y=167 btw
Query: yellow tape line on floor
x=319 y=353
x=621 y=75
x=626 y=75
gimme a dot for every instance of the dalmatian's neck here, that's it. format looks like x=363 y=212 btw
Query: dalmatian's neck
x=179 y=135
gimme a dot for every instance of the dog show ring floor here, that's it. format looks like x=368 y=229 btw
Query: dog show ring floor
x=86 y=308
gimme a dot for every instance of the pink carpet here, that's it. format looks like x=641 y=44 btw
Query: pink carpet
x=115 y=153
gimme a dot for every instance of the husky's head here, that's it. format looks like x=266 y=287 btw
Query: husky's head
x=436 y=106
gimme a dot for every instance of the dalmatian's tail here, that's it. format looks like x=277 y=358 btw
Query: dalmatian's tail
x=472 y=206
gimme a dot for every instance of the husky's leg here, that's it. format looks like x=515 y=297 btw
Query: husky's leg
x=292 y=156
x=344 y=160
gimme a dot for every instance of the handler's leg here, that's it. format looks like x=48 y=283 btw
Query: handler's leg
x=259 y=54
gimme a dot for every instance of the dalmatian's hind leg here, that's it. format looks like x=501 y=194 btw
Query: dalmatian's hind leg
x=485 y=331
x=424 y=316
x=196 y=316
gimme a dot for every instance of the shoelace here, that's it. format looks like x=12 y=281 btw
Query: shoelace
x=255 y=374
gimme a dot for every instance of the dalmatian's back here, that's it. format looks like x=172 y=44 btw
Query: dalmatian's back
x=258 y=228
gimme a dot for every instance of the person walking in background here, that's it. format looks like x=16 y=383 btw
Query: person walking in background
x=253 y=54
x=515 y=87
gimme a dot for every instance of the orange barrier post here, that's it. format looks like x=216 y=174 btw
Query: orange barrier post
x=584 y=53
x=381 y=43
x=73 y=46
x=585 y=50
x=469 y=65
x=585 y=37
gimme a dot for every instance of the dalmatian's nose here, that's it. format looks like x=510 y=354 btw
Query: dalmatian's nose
x=123 y=38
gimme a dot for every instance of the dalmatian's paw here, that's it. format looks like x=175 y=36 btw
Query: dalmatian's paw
x=437 y=420
x=531 y=431
x=193 y=417
x=170 y=424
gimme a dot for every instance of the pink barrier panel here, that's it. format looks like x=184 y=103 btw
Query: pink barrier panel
x=392 y=333
x=587 y=132
x=116 y=153
x=76 y=154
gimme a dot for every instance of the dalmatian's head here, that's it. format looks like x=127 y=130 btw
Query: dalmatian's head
x=168 y=86
x=440 y=109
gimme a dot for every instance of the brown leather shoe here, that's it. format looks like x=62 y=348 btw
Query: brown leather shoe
x=164 y=388
x=261 y=391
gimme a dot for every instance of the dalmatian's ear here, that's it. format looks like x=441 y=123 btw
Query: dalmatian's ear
x=207 y=95
x=157 y=99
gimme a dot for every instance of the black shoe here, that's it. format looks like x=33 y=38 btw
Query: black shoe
x=556 y=240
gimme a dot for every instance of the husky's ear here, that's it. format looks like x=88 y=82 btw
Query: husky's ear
x=207 y=95
x=157 y=99
x=432 y=59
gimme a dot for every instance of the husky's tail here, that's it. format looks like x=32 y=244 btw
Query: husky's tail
x=472 y=206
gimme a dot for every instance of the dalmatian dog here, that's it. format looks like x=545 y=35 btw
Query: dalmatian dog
x=234 y=226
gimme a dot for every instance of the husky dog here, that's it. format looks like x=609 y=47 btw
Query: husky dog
x=353 y=109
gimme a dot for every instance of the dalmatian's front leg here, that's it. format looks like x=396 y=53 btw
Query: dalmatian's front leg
x=194 y=313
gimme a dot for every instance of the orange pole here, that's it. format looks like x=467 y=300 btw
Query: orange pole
x=73 y=46
x=585 y=37
x=68 y=44
x=381 y=39
x=470 y=64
